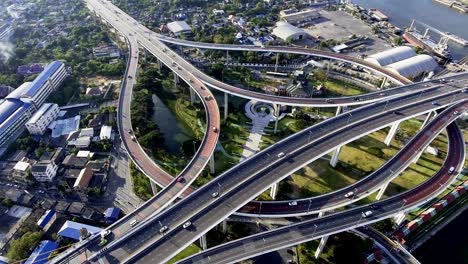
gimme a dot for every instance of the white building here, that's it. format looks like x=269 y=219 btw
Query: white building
x=391 y=56
x=414 y=66
x=39 y=122
x=44 y=171
x=13 y=115
x=288 y=32
x=179 y=27
x=106 y=132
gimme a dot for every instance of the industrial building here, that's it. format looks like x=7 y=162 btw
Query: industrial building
x=16 y=109
x=39 y=122
x=288 y=32
x=414 y=66
x=391 y=56
x=299 y=18
x=179 y=28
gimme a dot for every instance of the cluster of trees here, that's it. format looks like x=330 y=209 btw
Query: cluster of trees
x=145 y=128
x=141 y=183
x=21 y=248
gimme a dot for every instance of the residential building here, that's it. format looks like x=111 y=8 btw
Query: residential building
x=179 y=28
x=72 y=230
x=39 y=122
x=21 y=170
x=41 y=253
x=44 y=171
x=106 y=132
x=82 y=182
x=106 y=51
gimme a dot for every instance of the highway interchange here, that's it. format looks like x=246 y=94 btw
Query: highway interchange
x=382 y=113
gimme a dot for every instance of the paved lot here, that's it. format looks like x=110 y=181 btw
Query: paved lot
x=339 y=25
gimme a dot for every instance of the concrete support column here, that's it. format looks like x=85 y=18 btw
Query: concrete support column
x=392 y=133
x=321 y=245
x=224 y=226
x=212 y=164
x=203 y=243
x=399 y=218
x=338 y=110
x=382 y=190
x=429 y=117
x=154 y=187
x=276 y=107
x=277 y=60
x=416 y=158
x=176 y=78
x=335 y=156
x=274 y=191
x=146 y=54
x=227 y=56
x=159 y=63
x=193 y=96
x=384 y=81
x=226 y=102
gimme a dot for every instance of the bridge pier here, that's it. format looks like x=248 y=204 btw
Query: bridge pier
x=276 y=114
x=338 y=110
x=203 y=243
x=146 y=54
x=384 y=81
x=392 y=133
x=224 y=226
x=159 y=64
x=226 y=102
x=277 y=60
x=320 y=247
x=399 y=217
x=335 y=156
x=212 y=164
x=154 y=187
x=176 y=78
x=382 y=190
x=274 y=191
x=429 y=117
x=193 y=96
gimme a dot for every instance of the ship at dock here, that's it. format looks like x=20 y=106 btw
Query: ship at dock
x=423 y=41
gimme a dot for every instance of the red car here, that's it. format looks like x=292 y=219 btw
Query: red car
x=181 y=179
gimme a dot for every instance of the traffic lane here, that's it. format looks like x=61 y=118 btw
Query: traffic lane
x=365 y=186
x=283 y=237
x=176 y=216
x=260 y=182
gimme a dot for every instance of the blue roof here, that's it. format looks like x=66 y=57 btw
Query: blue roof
x=46 y=218
x=112 y=213
x=42 y=78
x=72 y=230
x=8 y=107
x=41 y=253
x=13 y=116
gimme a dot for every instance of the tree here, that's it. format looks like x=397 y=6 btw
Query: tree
x=84 y=233
x=375 y=29
x=19 y=249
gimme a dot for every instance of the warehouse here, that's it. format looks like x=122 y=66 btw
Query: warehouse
x=414 y=66
x=179 y=28
x=288 y=32
x=391 y=56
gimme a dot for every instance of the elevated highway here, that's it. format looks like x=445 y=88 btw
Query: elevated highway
x=316 y=228
x=258 y=173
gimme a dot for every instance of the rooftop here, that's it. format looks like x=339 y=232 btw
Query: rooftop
x=178 y=26
x=42 y=78
x=72 y=230
x=21 y=166
x=43 y=110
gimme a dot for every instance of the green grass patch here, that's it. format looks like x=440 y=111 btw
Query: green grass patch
x=189 y=251
x=140 y=183
x=341 y=88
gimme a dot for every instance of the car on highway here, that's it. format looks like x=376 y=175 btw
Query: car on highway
x=366 y=213
x=281 y=154
x=451 y=170
x=349 y=194
x=133 y=138
x=181 y=179
x=129 y=131
x=215 y=194
x=208 y=97
x=41 y=191
x=293 y=203
x=435 y=103
x=105 y=233
x=187 y=224
x=455 y=113
x=163 y=229
x=215 y=129
x=133 y=223
x=397 y=113
x=130 y=77
x=329 y=101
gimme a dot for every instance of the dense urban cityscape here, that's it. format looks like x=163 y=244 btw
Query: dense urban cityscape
x=233 y=131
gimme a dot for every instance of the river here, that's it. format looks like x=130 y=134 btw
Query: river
x=441 y=17
x=174 y=132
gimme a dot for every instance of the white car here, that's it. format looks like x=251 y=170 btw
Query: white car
x=162 y=229
x=293 y=203
x=366 y=213
x=187 y=224
x=349 y=194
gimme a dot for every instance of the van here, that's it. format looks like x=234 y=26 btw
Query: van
x=366 y=214
x=133 y=223
x=451 y=170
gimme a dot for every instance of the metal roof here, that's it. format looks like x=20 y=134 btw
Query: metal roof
x=8 y=107
x=72 y=230
x=106 y=132
x=42 y=78
x=413 y=66
x=112 y=213
x=9 y=120
x=391 y=56
x=16 y=94
x=284 y=30
x=178 y=26
x=44 y=220
x=41 y=253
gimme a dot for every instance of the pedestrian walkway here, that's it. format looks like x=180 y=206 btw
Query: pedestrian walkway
x=261 y=115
